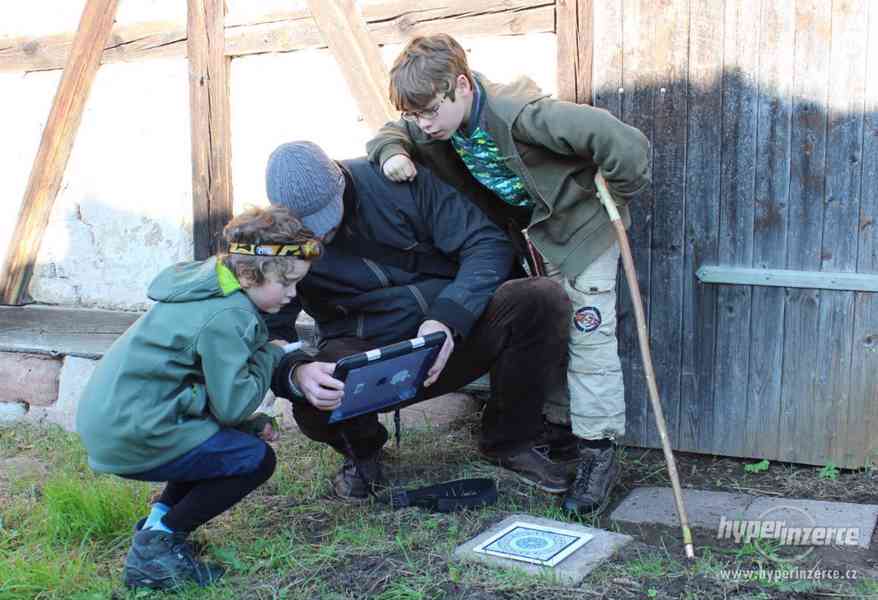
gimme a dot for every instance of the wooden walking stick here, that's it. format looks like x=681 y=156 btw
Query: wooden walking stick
x=634 y=288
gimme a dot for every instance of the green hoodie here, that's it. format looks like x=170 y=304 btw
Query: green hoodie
x=198 y=360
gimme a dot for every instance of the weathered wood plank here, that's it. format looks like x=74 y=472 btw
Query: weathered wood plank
x=832 y=389
x=210 y=125
x=840 y=219
x=29 y=378
x=608 y=51
x=862 y=417
x=639 y=84
x=152 y=39
x=776 y=45
x=807 y=178
x=358 y=58
x=731 y=359
x=669 y=174
x=861 y=446
x=575 y=37
x=77 y=332
x=819 y=280
x=389 y=21
x=703 y=155
x=464 y=19
x=567 y=55
x=55 y=147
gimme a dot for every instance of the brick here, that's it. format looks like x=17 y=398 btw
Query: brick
x=74 y=375
x=29 y=378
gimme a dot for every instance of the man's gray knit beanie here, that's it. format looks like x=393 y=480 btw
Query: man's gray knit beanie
x=302 y=178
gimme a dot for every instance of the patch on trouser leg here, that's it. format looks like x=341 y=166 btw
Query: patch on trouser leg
x=587 y=319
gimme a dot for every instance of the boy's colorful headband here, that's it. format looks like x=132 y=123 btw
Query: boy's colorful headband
x=308 y=250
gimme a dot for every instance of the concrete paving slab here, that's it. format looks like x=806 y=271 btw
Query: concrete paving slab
x=844 y=522
x=655 y=505
x=570 y=571
x=715 y=510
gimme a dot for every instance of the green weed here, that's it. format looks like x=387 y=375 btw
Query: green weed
x=757 y=467
x=828 y=471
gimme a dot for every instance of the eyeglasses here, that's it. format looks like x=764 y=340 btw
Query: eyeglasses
x=428 y=114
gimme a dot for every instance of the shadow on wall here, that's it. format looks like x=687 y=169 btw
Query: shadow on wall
x=747 y=175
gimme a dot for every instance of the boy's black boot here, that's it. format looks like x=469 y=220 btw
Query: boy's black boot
x=162 y=560
x=596 y=474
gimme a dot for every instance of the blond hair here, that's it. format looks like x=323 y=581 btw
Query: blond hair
x=427 y=66
x=275 y=224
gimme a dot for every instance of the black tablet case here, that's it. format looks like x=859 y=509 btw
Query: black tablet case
x=380 y=379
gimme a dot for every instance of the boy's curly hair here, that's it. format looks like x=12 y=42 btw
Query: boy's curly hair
x=269 y=225
x=427 y=66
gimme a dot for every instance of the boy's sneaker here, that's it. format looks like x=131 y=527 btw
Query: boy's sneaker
x=350 y=482
x=596 y=474
x=162 y=560
x=534 y=467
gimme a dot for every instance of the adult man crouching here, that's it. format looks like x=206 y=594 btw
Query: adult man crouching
x=404 y=260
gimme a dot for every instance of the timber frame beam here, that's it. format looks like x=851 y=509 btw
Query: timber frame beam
x=358 y=57
x=574 y=26
x=388 y=22
x=210 y=125
x=55 y=147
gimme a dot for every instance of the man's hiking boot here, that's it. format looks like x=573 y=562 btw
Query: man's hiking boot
x=351 y=480
x=162 y=561
x=596 y=475
x=534 y=467
x=563 y=444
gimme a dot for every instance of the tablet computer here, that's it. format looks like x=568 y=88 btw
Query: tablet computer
x=386 y=376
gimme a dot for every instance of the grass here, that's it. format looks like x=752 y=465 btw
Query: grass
x=58 y=536
x=65 y=535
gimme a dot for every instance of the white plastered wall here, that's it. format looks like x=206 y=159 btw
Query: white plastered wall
x=124 y=211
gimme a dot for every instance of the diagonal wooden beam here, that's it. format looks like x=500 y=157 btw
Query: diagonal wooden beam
x=210 y=123
x=357 y=55
x=574 y=29
x=55 y=147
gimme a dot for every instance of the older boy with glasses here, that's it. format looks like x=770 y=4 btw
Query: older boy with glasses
x=529 y=162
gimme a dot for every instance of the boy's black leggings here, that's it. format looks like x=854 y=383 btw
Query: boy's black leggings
x=193 y=503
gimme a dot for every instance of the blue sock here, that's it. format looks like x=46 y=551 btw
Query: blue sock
x=160 y=526
x=158 y=511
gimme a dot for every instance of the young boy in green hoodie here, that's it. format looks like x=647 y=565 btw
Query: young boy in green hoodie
x=170 y=399
x=529 y=162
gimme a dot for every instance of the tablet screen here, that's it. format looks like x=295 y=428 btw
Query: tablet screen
x=385 y=382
